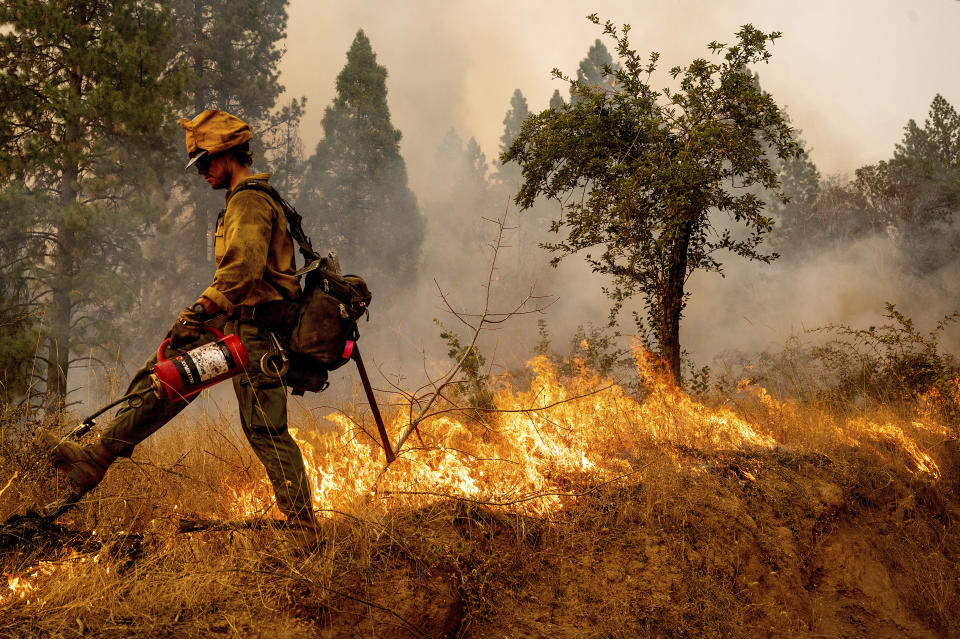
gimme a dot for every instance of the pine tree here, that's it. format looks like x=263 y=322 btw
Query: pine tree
x=598 y=68
x=507 y=177
x=513 y=120
x=233 y=49
x=460 y=173
x=354 y=196
x=798 y=219
x=284 y=148
x=85 y=106
x=447 y=167
x=20 y=316
x=937 y=143
x=454 y=208
x=476 y=165
x=532 y=224
x=817 y=214
x=556 y=100
x=918 y=191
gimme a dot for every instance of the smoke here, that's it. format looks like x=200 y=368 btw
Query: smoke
x=850 y=77
x=851 y=74
x=758 y=307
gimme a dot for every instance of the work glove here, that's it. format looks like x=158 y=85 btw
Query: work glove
x=189 y=326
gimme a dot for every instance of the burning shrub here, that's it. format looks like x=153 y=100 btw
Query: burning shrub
x=894 y=364
x=891 y=367
x=592 y=349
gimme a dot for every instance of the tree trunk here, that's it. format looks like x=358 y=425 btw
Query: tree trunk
x=203 y=252
x=58 y=320
x=669 y=330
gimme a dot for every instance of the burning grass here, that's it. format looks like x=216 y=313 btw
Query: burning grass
x=573 y=507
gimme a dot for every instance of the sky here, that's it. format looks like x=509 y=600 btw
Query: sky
x=850 y=73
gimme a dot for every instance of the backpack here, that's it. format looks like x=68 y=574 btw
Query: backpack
x=325 y=328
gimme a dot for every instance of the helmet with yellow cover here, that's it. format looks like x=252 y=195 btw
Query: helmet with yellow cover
x=213 y=132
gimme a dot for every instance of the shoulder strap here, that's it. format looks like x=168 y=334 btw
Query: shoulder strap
x=294 y=220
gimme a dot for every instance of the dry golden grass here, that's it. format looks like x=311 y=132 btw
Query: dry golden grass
x=597 y=515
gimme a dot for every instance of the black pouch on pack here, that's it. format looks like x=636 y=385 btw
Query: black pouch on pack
x=328 y=316
x=326 y=327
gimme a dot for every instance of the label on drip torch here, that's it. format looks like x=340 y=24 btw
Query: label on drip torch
x=203 y=363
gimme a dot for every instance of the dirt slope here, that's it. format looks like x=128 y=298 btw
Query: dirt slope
x=752 y=546
x=748 y=544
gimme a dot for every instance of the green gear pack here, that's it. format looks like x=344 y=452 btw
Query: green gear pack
x=326 y=325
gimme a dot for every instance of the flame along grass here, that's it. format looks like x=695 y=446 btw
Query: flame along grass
x=554 y=437
x=24 y=585
x=544 y=445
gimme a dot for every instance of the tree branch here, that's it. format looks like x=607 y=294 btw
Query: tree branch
x=484 y=318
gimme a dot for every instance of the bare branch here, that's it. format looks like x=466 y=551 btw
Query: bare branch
x=535 y=409
x=497 y=243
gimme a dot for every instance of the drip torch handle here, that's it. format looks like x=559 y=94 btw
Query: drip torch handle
x=368 y=389
x=166 y=342
x=135 y=399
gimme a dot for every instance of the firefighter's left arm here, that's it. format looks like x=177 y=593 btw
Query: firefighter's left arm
x=247 y=226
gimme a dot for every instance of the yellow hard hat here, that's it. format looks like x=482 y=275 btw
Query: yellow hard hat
x=212 y=132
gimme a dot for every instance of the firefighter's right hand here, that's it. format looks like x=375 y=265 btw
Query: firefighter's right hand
x=187 y=328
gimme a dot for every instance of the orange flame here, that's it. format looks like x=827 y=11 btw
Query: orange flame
x=544 y=443
x=29 y=583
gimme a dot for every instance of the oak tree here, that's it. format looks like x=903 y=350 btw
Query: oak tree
x=646 y=176
x=354 y=195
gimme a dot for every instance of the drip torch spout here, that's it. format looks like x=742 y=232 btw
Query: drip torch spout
x=135 y=399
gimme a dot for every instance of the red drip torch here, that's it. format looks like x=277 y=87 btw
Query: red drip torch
x=185 y=374
x=201 y=367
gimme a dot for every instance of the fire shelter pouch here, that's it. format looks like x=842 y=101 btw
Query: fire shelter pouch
x=327 y=321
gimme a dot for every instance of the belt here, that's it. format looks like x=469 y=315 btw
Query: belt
x=278 y=316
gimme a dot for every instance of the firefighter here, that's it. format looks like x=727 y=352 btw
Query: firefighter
x=255 y=288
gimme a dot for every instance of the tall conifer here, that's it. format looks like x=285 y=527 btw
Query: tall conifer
x=593 y=69
x=513 y=120
x=85 y=100
x=354 y=196
x=507 y=177
x=556 y=100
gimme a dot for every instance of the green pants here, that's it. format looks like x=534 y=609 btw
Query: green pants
x=263 y=415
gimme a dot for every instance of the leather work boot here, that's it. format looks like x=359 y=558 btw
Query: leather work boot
x=306 y=533
x=84 y=466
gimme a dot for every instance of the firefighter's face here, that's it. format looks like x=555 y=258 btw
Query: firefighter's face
x=215 y=169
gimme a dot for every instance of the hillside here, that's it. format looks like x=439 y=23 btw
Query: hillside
x=579 y=510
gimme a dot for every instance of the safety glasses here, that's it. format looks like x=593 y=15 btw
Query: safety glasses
x=203 y=163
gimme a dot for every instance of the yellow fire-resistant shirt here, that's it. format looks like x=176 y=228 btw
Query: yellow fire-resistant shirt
x=254 y=252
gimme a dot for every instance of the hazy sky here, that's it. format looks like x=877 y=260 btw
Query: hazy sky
x=851 y=73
